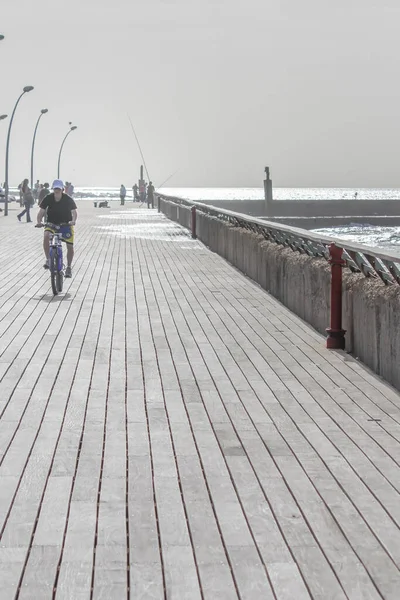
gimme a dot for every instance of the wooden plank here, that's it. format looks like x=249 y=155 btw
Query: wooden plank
x=52 y=518
x=74 y=581
x=79 y=539
x=40 y=572
x=180 y=573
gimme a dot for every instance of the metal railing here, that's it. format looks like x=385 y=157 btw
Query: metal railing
x=358 y=258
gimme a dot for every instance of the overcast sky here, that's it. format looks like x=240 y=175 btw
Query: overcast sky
x=215 y=88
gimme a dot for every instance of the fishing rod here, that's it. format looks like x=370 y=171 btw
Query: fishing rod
x=144 y=162
x=137 y=140
x=163 y=183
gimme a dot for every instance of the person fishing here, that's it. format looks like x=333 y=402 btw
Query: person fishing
x=142 y=184
x=150 y=194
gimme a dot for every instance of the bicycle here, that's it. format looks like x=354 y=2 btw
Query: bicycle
x=56 y=265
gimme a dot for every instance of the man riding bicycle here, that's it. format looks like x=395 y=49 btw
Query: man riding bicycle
x=60 y=210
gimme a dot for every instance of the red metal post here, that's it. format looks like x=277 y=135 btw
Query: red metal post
x=158 y=203
x=335 y=340
x=194 y=235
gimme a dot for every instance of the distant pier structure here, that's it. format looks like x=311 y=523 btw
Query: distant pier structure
x=313 y=214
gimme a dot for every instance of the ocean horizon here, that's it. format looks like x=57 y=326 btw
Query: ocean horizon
x=252 y=193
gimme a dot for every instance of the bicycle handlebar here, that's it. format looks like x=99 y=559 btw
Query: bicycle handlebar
x=52 y=225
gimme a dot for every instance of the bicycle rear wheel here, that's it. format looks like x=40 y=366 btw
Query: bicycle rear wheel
x=54 y=271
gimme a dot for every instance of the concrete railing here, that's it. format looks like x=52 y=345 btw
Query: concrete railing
x=291 y=264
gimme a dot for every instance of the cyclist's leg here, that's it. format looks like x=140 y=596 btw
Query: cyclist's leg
x=70 y=254
x=68 y=236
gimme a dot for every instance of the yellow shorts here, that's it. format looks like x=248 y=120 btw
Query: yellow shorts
x=66 y=231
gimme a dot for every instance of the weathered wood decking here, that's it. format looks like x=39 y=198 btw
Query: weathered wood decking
x=168 y=430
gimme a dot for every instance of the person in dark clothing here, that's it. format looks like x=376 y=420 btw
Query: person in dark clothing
x=150 y=194
x=61 y=210
x=28 y=201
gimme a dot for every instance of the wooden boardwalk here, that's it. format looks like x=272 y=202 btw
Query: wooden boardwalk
x=168 y=430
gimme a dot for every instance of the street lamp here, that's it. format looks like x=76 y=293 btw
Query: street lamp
x=27 y=88
x=2 y=117
x=62 y=145
x=42 y=112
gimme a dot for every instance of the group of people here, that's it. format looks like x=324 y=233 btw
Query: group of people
x=140 y=193
x=40 y=189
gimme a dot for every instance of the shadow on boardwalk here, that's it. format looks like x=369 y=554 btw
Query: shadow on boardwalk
x=168 y=430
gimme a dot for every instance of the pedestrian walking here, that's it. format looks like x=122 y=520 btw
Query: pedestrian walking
x=21 y=201
x=28 y=201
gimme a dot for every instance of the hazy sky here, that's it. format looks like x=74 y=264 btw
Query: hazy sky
x=215 y=88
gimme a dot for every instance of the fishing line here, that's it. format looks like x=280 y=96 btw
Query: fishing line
x=164 y=182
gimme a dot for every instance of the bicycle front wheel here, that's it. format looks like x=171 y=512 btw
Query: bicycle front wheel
x=60 y=280
x=54 y=272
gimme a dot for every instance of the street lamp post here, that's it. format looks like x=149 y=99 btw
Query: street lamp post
x=27 y=88
x=2 y=117
x=62 y=145
x=42 y=112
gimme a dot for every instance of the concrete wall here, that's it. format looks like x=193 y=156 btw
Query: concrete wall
x=371 y=310
x=310 y=210
x=332 y=208
x=371 y=316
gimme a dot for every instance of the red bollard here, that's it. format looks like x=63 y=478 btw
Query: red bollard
x=194 y=235
x=335 y=340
